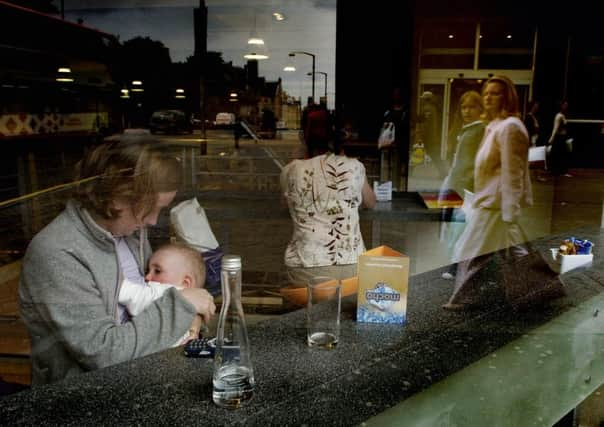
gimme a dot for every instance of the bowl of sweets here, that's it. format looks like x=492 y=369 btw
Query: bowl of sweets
x=571 y=253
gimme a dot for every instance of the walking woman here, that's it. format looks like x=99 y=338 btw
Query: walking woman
x=502 y=188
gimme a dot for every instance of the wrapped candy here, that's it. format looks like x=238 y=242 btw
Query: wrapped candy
x=574 y=246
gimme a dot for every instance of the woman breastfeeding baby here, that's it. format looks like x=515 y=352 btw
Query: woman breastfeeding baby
x=74 y=268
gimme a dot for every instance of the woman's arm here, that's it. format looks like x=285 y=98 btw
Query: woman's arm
x=283 y=184
x=557 y=121
x=369 y=199
x=514 y=146
x=73 y=317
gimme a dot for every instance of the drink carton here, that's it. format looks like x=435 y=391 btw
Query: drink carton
x=383 y=283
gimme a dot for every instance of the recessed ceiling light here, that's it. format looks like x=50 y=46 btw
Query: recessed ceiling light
x=254 y=55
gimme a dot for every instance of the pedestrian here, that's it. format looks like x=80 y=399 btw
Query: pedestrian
x=461 y=176
x=394 y=158
x=560 y=143
x=502 y=187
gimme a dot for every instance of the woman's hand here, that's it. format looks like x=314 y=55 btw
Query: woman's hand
x=202 y=301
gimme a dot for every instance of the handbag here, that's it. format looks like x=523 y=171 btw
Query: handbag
x=529 y=280
x=387 y=133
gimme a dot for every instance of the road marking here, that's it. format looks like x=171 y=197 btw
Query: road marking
x=270 y=153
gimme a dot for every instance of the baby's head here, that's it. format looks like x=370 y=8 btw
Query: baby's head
x=177 y=264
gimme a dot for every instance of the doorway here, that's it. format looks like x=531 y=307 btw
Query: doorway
x=442 y=90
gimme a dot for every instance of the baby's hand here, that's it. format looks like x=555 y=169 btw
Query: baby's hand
x=195 y=328
x=201 y=300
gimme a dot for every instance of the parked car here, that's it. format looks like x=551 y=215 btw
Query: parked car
x=225 y=120
x=170 y=121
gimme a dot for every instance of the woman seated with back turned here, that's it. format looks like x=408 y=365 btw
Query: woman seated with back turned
x=323 y=194
x=73 y=269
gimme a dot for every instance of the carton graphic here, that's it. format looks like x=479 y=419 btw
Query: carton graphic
x=383 y=283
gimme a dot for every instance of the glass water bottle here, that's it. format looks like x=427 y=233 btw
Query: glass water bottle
x=233 y=380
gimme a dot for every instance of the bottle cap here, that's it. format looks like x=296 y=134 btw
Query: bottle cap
x=231 y=262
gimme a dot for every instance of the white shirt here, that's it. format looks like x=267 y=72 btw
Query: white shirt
x=135 y=297
x=129 y=269
x=324 y=195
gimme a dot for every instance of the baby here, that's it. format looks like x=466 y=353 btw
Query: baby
x=173 y=265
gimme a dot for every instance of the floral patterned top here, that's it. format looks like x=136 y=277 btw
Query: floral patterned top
x=324 y=194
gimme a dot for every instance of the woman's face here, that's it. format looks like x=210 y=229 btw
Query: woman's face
x=493 y=99
x=127 y=222
x=470 y=111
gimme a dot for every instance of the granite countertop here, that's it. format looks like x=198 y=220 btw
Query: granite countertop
x=374 y=367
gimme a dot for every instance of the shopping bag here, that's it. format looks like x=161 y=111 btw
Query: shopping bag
x=529 y=281
x=536 y=154
x=387 y=133
x=538 y=157
x=190 y=224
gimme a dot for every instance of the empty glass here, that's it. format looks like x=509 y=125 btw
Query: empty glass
x=323 y=312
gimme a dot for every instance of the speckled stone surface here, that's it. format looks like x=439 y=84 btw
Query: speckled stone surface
x=373 y=368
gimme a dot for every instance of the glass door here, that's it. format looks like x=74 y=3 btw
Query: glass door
x=436 y=119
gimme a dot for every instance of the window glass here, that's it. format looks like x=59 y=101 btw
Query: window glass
x=505 y=45
x=447 y=45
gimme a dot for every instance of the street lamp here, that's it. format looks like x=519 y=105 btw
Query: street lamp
x=324 y=74
x=313 y=68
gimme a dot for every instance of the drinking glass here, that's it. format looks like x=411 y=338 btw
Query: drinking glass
x=323 y=312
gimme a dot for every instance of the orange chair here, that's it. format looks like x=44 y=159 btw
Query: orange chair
x=299 y=296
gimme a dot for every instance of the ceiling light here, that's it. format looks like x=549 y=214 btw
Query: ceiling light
x=255 y=40
x=278 y=16
x=64 y=70
x=289 y=68
x=254 y=55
